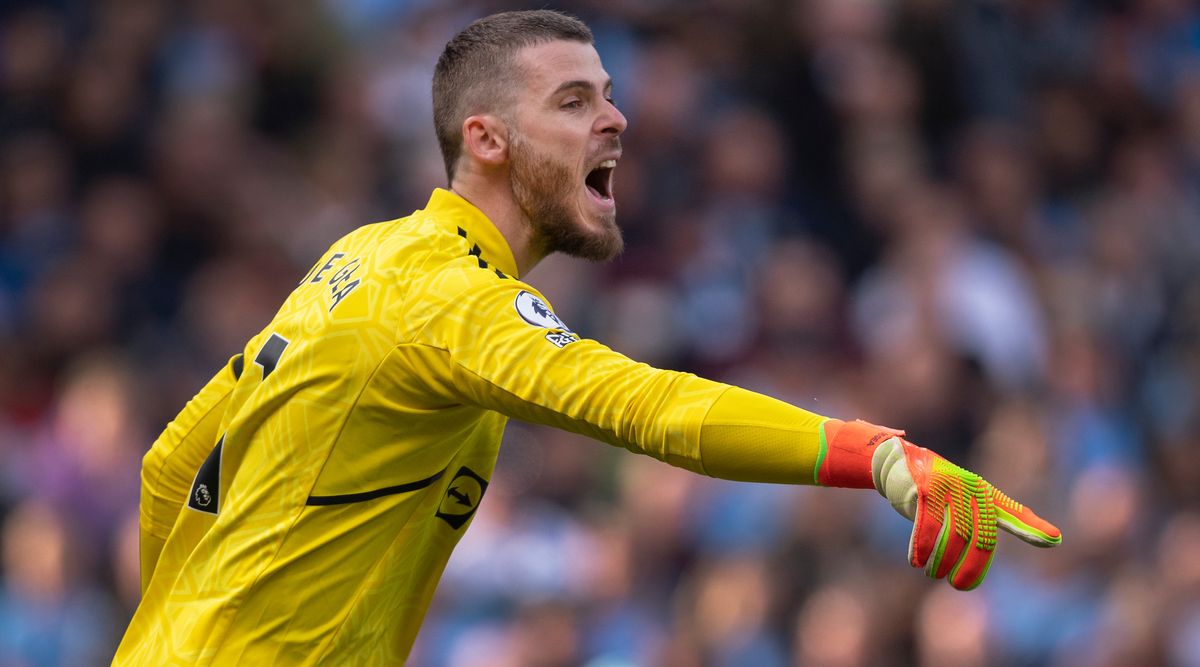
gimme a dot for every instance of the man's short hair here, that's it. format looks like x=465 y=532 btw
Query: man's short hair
x=477 y=70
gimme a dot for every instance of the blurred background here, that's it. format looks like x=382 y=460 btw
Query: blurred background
x=978 y=220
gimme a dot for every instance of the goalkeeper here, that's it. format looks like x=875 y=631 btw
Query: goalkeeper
x=301 y=508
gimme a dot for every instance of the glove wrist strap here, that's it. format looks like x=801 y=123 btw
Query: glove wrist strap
x=846 y=450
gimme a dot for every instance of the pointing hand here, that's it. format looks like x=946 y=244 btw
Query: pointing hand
x=954 y=512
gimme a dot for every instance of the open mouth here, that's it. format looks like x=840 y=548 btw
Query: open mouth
x=599 y=180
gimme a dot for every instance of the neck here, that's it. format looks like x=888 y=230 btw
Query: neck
x=498 y=204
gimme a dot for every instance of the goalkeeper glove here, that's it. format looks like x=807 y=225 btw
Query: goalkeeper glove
x=954 y=511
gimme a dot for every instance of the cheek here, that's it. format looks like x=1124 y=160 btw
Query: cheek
x=564 y=141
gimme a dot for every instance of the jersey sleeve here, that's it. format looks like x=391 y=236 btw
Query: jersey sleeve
x=505 y=350
x=170 y=466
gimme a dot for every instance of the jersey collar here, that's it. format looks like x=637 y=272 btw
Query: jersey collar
x=452 y=210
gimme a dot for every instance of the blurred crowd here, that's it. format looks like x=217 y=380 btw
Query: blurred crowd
x=978 y=220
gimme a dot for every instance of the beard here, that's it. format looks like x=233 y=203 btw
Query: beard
x=546 y=189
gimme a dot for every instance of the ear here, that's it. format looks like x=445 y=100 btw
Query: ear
x=485 y=138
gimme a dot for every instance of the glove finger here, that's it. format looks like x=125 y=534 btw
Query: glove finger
x=1021 y=521
x=976 y=559
x=972 y=569
x=927 y=533
x=949 y=549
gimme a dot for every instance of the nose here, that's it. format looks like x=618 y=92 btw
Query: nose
x=612 y=122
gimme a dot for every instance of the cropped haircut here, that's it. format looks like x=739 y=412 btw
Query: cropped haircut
x=478 y=71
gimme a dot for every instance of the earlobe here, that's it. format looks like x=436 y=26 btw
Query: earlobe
x=485 y=138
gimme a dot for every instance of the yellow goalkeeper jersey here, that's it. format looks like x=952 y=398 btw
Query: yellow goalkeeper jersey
x=302 y=506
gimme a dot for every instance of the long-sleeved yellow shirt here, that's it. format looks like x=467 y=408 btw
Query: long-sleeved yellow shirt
x=302 y=506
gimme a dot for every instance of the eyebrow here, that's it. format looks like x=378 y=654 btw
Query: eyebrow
x=580 y=83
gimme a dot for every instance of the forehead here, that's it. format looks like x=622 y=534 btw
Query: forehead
x=548 y=65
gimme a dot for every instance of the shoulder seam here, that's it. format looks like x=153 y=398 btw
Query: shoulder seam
x=452 y=301
x=473 y=251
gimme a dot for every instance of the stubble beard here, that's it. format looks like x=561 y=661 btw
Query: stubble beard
x=545 y=190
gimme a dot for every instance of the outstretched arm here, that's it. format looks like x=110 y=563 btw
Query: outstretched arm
x=501 y=353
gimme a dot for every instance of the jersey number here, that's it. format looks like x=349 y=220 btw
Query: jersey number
x=268 y=356
x=205 y=495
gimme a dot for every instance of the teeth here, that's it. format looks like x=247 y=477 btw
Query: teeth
x=608 y=164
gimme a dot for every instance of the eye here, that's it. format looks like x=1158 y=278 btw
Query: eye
x=611 y=101
x=572 y=103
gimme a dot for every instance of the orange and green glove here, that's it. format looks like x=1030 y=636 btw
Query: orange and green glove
x=954 y=511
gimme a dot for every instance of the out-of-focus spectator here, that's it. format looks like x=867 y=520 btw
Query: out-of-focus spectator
x=86 y=461
x=833 y=630
x=49 y=615
x=952 y=631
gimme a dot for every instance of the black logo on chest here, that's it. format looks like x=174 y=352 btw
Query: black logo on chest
x=462 y=498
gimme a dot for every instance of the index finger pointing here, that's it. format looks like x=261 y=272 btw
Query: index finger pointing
x=1021 y=521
